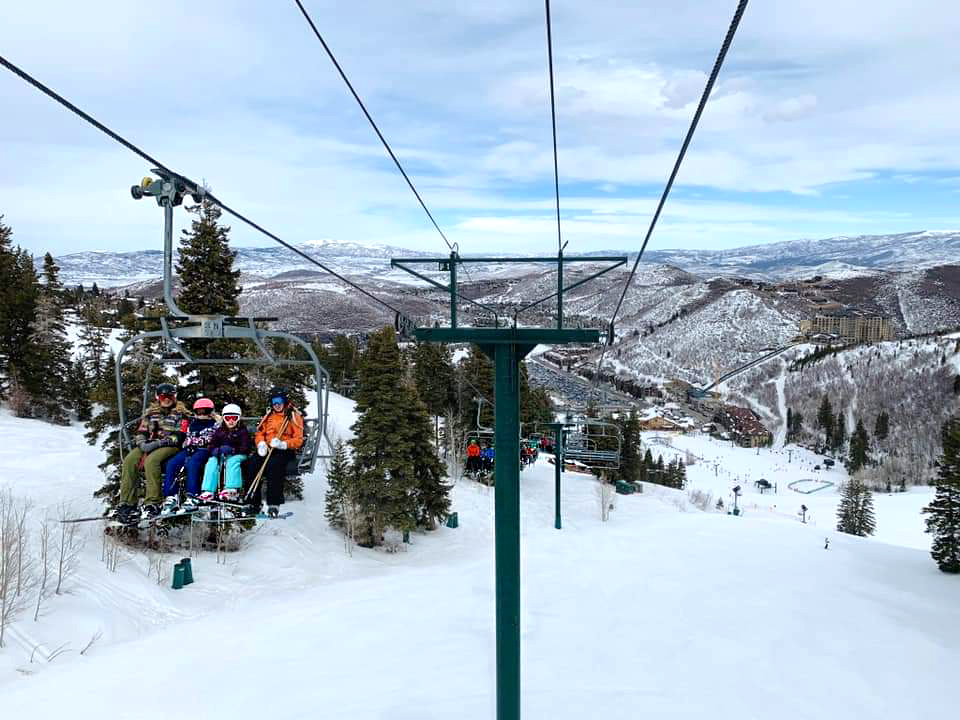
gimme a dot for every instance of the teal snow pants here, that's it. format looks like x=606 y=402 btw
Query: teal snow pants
x=234 y=476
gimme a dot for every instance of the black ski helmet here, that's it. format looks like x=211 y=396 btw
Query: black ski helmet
x=277 y=392
x=168 y=389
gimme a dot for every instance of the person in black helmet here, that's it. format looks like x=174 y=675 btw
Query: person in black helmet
x=159 y=436
x=279 y=436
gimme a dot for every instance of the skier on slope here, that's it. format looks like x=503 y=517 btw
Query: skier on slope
x=229 y=447
x=279 y=436
x=161 y=430
x=193 y=457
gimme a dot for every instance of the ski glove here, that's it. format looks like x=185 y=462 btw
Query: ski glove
x=278 y=443
x=150 y=446
x=261 y=449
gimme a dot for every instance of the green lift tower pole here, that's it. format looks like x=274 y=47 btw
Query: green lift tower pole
x=558 y=469
x=506 y=347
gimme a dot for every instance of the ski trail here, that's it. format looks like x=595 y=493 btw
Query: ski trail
x=781 y=437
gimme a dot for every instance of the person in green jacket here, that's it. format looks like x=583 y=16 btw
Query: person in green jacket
x=160 y=434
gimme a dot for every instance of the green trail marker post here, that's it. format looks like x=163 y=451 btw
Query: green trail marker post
x=506 y=346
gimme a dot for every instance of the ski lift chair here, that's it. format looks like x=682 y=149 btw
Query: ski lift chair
x=594 y=443
x=169 y=191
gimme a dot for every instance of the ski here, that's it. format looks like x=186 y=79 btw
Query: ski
x=281 y=516
x=89 y=519
x=241 y=518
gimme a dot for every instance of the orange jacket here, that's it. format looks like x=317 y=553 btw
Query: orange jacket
x=473 y=450
x=269 y=427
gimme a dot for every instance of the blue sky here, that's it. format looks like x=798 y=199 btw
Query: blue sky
x=825 y=122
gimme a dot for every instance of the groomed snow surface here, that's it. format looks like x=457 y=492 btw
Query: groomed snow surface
x=663 y=611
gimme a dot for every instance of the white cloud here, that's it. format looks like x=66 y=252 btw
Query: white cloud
x=242 y=95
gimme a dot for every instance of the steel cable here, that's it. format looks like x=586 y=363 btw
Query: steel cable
x=49 y=92
x=714 y=73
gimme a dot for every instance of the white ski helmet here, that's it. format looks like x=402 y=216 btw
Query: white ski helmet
x=231 y=409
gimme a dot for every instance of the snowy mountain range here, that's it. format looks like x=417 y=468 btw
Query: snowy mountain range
x=832 y=257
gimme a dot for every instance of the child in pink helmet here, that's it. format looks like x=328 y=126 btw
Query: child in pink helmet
x=193 y=456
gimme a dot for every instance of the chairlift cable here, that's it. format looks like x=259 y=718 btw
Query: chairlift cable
x=714 y=73
x=49 y=92
x=373 y=124
x=553 y=118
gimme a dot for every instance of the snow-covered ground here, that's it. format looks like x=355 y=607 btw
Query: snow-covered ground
x=663 y=611
x=721 y=465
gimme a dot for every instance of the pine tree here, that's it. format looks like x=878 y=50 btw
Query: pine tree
x=431 y=493
x=208 y=285
x=839 y=435
x=475 y=390
x=339 y=490
x=93 y=350
x=79 y=389
x=825 y=420
x=859 y=448
x=631 y=461
x=384 y=474
x=943 y=520
x=433 y=374
x=855 y=512
x=46 y=368
x=882 y=426
x=681 y=474
x=18 y=301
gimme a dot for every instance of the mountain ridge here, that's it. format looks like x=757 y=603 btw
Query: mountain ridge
x=841 y=256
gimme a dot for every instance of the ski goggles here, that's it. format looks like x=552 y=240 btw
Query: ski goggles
x=278 y=400
x=231 y=418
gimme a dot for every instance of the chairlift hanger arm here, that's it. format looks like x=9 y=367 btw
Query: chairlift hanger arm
x=575 y=285
x=516 y=260
x=446 y=288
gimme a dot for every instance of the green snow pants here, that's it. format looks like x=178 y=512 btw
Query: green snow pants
x=151 y=468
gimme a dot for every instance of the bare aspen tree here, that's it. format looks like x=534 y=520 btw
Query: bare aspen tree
x=44 y=565
x=16 y=569
x=456 y=447
x=68 y=549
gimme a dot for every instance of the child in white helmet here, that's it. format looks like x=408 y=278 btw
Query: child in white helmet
x=229 y=446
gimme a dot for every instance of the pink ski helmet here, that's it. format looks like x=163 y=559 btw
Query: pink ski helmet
x=203 y=404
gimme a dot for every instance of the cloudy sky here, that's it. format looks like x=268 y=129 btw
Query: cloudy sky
x=829 y=119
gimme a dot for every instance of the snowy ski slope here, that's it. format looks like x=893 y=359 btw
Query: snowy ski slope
x=661 y=612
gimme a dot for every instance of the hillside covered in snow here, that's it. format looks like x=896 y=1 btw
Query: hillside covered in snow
x=724 y=616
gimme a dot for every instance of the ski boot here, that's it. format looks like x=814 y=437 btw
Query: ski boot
x=273 y=511
x=149 y=512
x=170 y=505
x=191 y=504
x=206 y=497
x=229 y=495
x=126 y=514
